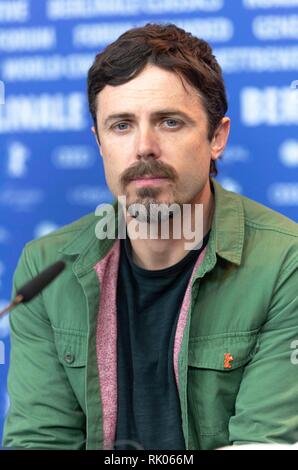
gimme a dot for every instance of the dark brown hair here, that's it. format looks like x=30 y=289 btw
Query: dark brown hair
x=170 y=48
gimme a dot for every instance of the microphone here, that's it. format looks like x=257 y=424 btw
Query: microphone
x=33 y=287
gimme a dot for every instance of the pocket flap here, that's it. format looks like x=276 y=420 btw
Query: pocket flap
x=224 y=351
x=71 y=347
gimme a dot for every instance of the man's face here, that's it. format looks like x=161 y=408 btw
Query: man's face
x=153 y=127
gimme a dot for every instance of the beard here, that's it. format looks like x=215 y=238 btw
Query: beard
x=147 y=207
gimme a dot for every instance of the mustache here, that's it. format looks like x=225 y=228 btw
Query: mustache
x=152 y=168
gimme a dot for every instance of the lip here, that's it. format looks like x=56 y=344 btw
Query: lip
x=149 y=180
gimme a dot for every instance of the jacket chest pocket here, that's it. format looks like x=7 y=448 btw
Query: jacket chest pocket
x=216 y=365
x=72 y=354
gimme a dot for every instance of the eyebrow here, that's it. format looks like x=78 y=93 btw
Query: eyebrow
x=154 y=115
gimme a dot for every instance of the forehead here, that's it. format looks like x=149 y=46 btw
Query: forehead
x=154 y=87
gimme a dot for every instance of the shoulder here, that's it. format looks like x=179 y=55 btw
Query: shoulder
x=263 y=218
x=270 y=234
x=47 y=249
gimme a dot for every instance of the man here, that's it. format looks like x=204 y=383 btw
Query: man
x=143 y=342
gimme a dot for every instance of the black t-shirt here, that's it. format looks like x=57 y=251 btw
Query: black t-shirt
x=148 y=305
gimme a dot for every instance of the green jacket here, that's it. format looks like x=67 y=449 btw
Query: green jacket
x=235 y=351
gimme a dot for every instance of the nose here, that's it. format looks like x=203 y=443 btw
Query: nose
x=147 y=145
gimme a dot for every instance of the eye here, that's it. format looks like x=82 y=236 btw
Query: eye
x=172 y=122
x=120 y=126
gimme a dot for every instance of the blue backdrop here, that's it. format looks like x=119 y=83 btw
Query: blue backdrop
x=50 y=170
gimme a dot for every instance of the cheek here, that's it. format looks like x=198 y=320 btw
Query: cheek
x=111 y=172
x=193 y=168
x=195 y=157
x=113 y=169
x=109 y=168
x=201 y=157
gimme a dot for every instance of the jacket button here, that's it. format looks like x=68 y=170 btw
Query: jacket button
x=69 y=358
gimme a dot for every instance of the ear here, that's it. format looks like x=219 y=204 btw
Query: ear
x=220 y=138
x=96 y=137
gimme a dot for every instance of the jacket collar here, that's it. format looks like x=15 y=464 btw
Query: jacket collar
x=86 y=245
x=228 y=224
x=226 y=239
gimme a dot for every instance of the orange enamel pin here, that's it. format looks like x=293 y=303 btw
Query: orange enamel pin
x=228 y=359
